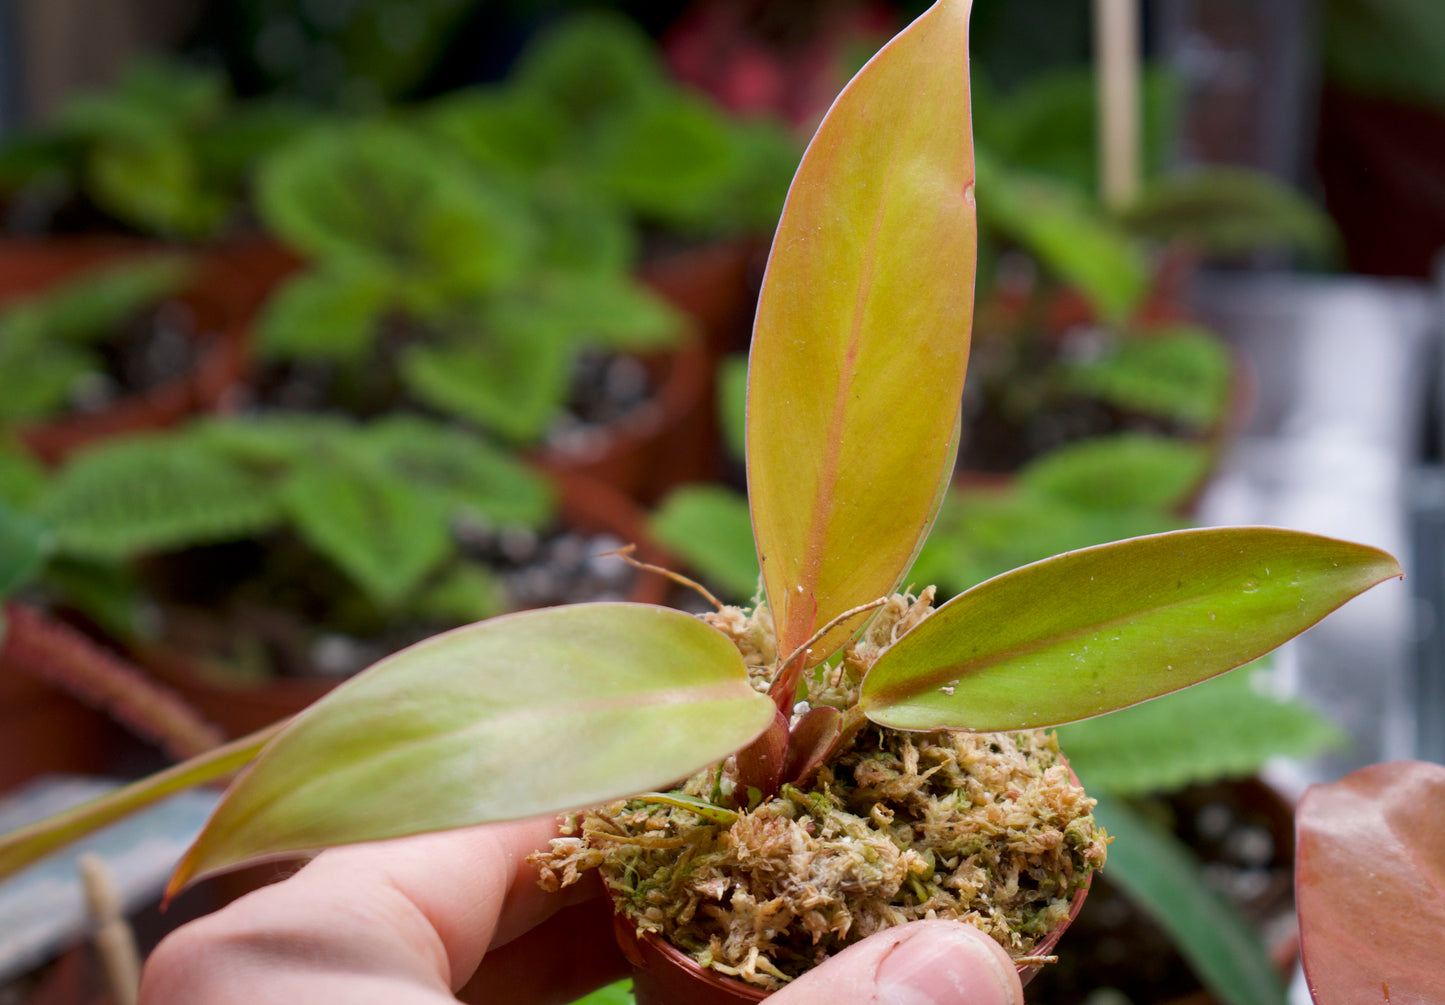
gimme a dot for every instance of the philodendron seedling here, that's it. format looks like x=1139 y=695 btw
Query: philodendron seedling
x=782 y=713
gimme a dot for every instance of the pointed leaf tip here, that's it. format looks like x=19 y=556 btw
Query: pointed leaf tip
x=1090 y=631
x=862 y=333
x=525 y=714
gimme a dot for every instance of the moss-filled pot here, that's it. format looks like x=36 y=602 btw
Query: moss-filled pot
x=892 y=826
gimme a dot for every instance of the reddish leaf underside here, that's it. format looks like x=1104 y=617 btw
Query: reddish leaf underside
x=1370 y=886
x=861 y=339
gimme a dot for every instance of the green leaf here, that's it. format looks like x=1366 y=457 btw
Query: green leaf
x=590 y=308
x=29 y=844
x=330 y=314
x=707 y=527
x=669 y=159
x=590 y=67
x=467 y=592
x=272 y=440
x=382 y=531
x=982 y=533
x=1227 y=727
x=1231 y=211
x=876 y=245
x=24 y=543
x=1069 y=236
x=1180 y=373
x=732 y=402
x=1370 y=884
x=505 y=379
x=470 y=474
x=37 y=376
x=606 y=700
x=619 y=993
x=89 y=308
x=155 y=184
x=22 y=478
x=387 y=200
x=1124 y=471
x=1159 y=874
x=511 y=133
x=154 y=493
x=1094 y=630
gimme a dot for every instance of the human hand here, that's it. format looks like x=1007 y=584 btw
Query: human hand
x=458 y=915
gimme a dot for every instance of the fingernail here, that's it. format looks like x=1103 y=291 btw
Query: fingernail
x=945 y=966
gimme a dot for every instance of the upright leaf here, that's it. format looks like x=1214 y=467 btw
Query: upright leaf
x=862 y=333
x=1370 y=885
x=1090 y=631
x=599 y=700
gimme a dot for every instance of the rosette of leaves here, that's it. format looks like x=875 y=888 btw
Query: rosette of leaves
x=430 y=283
x=856 y=370
x=54 y=345
x=378 y=502
x=166 y=151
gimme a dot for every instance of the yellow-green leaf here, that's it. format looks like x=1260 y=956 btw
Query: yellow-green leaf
x=1090 y=631
x=530 y=713
x=862 y=332
x=29 y=844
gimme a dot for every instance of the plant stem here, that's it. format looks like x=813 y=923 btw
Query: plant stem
x=58 y=654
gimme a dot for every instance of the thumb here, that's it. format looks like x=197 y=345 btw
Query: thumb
x=922 y=963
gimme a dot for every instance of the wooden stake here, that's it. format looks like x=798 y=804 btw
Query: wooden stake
x=1116 y=54
x=114 y=941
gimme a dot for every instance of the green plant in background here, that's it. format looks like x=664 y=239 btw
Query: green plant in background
x=378 y=502
x=1078 y=333
x=589 y=120
x=418 y=261
x=855 y=375
x=485 y=240
x=52 y=345
x=166 y=152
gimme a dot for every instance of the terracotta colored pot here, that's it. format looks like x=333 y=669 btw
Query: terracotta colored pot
x=223 y=297
x=673 y=438
x=664 y=975
x=43 y=729
x=667 y=440
x=713 y=285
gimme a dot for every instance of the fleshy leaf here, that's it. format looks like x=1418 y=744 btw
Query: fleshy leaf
x=1090 y=631
x=604 y=699
x=861 y=338
x=1159 y=875
x=1370 y=885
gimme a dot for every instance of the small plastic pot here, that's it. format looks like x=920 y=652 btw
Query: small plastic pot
x=664 y=975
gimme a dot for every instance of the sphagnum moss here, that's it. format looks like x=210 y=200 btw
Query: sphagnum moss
x=987 y=828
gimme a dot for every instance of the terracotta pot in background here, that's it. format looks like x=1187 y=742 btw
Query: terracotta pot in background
x=43 y=729
x=231 y=282
x=669 y=439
